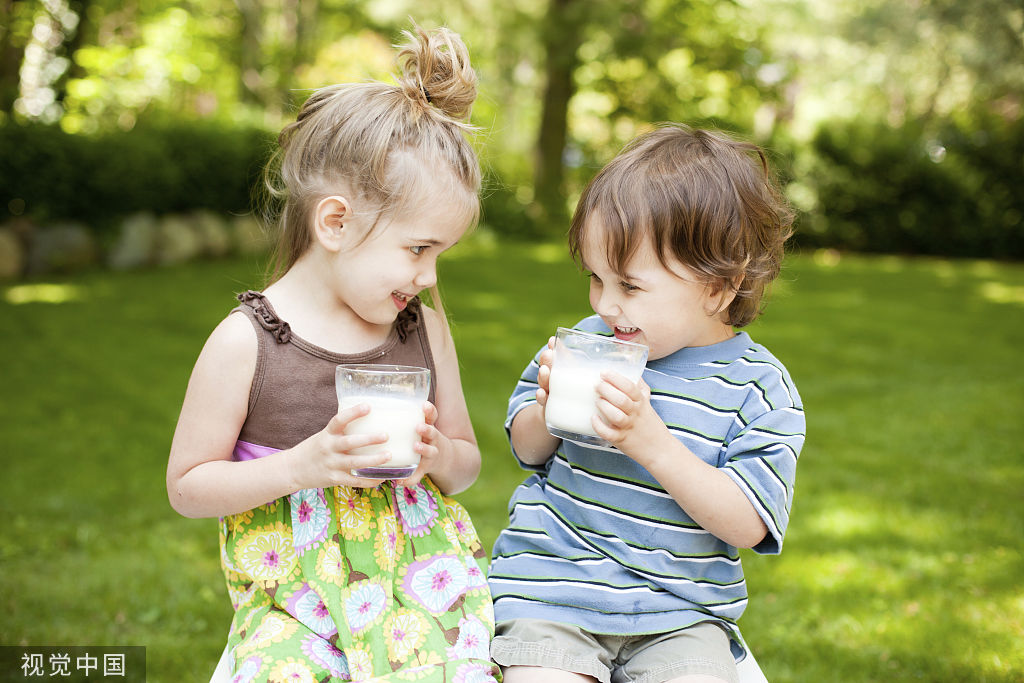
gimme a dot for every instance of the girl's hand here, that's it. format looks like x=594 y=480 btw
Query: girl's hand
x=547 y=356
x=627 y=419
x=430 y=448
x=325 y=459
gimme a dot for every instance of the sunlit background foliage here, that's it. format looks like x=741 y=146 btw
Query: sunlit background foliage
x=921 y=101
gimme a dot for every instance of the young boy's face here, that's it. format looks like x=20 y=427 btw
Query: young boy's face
x=665 y=308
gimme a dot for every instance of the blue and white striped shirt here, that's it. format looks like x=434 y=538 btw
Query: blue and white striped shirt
x=595 y=541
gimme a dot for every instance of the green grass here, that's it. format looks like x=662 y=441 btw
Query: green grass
x=903 y=561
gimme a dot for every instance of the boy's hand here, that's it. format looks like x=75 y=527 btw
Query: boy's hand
x=627 y=418
x=547 y=356
x=430 y=449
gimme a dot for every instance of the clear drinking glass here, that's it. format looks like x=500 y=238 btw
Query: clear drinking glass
x=395 y=394
x=580 y=357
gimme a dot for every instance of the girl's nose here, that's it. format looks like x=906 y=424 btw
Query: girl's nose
x=426 y=277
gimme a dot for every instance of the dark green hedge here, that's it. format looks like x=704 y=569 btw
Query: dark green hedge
x=952 y=191
x=50 y=175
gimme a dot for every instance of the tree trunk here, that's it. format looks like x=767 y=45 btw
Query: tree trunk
x=562 y=36
x=250 y=59
x=71 y=45
x=12 y=51
x=297 y=45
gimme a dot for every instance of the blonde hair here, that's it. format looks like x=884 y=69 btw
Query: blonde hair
x=378 y=142
x=705 y=199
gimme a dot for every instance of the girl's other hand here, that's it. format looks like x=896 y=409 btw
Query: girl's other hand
x=325 y=459
x=433 y=441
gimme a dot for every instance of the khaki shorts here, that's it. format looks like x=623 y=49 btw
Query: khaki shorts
x=700 y=649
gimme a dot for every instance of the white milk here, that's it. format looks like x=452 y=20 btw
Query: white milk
x=396 y=417
x=572 y=399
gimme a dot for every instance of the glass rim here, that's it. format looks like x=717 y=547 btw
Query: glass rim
x=600 y=337
x=382 y=369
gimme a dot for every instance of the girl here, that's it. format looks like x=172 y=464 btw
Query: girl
x=333 y=575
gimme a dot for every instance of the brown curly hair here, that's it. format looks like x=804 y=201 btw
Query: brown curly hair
x=704 y=199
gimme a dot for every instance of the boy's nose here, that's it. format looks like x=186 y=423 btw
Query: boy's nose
x=606 y=305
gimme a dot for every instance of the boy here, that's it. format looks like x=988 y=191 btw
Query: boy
x=622 y=564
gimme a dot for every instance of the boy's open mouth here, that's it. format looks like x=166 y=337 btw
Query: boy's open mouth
x=626 y=333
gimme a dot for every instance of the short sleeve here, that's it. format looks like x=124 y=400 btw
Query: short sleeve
x=523 y=396
x=762 y=459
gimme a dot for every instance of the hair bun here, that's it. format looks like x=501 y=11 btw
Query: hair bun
x=436 y=71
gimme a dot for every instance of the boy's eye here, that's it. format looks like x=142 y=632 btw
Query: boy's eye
x=417 y=250
x=627 y=287
x=593 y=276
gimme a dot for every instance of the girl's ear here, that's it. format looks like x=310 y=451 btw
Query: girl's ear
x=329 y=219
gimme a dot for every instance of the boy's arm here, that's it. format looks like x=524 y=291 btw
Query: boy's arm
x=528 y=433
x=707 y=494
x=531 y=440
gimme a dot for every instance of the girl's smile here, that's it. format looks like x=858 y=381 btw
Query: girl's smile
x=401 y=300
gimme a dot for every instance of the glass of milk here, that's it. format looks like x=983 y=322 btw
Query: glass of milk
x=395 y=394
x=580 y=358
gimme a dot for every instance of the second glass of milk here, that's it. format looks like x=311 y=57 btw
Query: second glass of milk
x=580 y=358
x=395 y=394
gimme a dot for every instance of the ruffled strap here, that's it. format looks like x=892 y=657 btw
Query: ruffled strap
x=266 y=316
x=408 y=319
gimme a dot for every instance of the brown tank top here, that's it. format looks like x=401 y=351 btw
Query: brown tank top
x=292 y=395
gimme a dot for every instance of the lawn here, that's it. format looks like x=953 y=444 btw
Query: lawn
x=903 y=561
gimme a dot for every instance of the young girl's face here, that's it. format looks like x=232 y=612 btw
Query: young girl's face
x=666 y=309
x=379 y=275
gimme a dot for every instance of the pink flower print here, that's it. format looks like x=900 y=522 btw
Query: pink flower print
x=308 y=607
x=310 y=518
x=474 y=575
x=436 y=583
x=247 y=672
x=473 y=642
x=474 y=672
x=364 y=605
x=324 y=654
x=417 y=509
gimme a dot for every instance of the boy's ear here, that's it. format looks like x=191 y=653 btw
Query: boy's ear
x=722 y=293
x=329 y=219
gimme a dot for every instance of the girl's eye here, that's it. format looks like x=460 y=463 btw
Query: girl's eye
x=594 y=278
x=627 y=287
x=417 y=250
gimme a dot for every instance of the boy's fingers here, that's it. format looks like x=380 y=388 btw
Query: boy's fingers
x=615 y=396
x=611 y=413
x=620 y=382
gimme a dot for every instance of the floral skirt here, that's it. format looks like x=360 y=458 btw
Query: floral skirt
x=349 y=584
